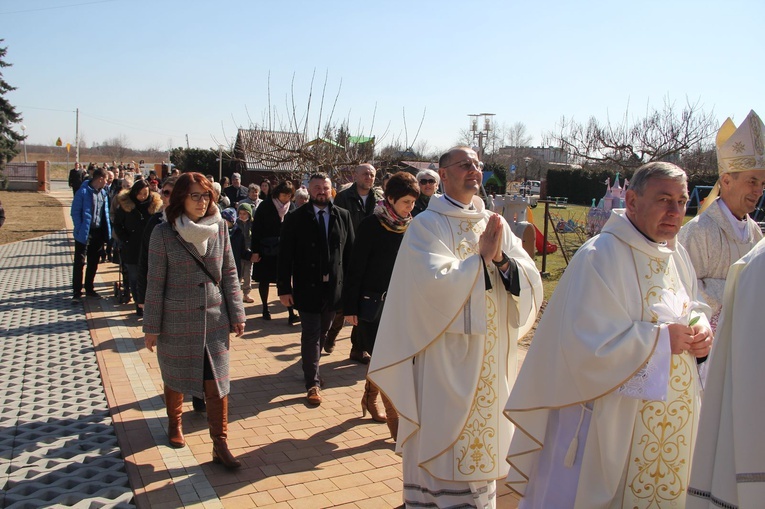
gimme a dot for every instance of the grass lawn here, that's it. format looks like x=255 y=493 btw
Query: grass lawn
x=28 y=215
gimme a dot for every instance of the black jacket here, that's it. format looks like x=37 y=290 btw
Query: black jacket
x=130 y=219
x=300 y=258
x=350 y=200
x=374 y=255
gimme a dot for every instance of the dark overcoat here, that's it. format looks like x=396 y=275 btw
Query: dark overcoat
x=350 y=200
x=266 y=226
x=189 y=312
x=130 y=220
x=300 y=264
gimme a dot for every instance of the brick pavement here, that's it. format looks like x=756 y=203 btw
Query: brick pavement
x=294 y=456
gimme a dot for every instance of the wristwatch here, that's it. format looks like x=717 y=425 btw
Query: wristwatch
x=505 y=259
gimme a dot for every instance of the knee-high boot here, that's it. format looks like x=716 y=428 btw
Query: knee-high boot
x=217 y=419
x=174 y=407
x=369 y=403
x=392 y=416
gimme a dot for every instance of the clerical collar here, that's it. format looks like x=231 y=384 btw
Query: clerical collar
x=459 y=204
x=739 y=225
x=649 y=239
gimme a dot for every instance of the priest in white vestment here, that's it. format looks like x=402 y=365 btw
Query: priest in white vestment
x=606 y=403
x=723 y=232
x=463 y=292
x=729 y=461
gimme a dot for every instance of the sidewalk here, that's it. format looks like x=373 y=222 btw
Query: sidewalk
x=293 y=455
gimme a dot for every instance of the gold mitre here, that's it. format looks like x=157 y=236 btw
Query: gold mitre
x=741 y=149
x=738 y=149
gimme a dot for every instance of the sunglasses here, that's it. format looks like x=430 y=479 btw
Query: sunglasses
x=167 y=192
x=427 y=181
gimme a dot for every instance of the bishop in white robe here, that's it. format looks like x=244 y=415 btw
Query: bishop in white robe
x=606 y=403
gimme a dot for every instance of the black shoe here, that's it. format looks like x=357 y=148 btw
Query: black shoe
x=139 y=312
x=266 y=314
x=360 y=356
x=329 y=346
x=92 y=293
x=76 y=299
x=198 y=404
x=293 y=319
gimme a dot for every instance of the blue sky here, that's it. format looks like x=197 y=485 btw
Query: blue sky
x=155 y=71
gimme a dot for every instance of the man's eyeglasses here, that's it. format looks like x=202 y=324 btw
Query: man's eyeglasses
x=467 y=165
x=427 y=181
x=167 y=192
x=200 y=196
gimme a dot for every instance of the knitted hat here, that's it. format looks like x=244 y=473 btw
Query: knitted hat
x=247 y=207
x=229 y=215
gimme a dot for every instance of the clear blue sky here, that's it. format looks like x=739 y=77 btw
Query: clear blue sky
x=154 y=71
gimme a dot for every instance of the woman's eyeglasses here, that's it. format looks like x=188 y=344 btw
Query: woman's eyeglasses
x=427 y=181
x=200 y=196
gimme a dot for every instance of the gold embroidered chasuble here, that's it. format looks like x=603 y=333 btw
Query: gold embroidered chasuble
x=664 y=434
x=446 y=350
x=599 y=330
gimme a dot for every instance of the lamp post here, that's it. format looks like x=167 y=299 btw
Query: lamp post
x=24 y=141
x=480 y=131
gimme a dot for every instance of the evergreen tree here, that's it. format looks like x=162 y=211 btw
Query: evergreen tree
x=9 y=139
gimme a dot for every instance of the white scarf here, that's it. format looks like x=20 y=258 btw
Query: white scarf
x=200 y=232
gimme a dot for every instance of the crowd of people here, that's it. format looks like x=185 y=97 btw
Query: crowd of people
x=606 y=410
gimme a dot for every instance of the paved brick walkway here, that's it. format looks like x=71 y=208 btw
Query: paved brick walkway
x=294 y=456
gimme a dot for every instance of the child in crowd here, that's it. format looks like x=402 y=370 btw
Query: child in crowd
x=244 y=223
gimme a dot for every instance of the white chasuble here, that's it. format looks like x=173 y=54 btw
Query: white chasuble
x=446 y=350
x=664 y=434
x=481 y=444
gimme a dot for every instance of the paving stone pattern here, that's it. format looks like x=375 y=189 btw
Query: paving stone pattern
x=57 y=443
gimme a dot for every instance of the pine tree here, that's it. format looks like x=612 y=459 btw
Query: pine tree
x=9 y=139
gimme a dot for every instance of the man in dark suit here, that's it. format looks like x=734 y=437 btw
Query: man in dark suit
x=359 y=200
x=314 y=252
x=236 y=192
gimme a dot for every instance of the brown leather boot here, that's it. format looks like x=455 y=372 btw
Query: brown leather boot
x=369 y=403
x=392 y=416
x=217 y=419
x=174 y=407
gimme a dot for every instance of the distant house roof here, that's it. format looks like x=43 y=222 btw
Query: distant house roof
x=274 y=151
x=319 y=141
x=360 y=139
x=421 y=165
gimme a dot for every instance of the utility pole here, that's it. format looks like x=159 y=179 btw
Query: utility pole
x=77 y=136
x=220 y=163
x=187 y=142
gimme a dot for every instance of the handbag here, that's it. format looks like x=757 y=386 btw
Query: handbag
x=269 y=246
x=371 y=306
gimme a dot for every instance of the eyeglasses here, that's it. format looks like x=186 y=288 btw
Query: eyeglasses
x=427 y=181
x=200 y=196
x=167 y=192
x=467 y=165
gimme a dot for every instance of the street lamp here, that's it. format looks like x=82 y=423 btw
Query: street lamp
x=24 y=141
x=480 y=131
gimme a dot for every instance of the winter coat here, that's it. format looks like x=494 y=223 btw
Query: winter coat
x=236 y=237
x=143 y=259
x=82 y=212
x=266 y=229
x=130 y=219
x=300 y=259
x=191 y=314
x=350 y=200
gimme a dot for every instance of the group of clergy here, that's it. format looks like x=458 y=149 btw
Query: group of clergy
x=607 y=408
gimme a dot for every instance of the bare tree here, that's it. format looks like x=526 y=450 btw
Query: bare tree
x=662 y=134
x=117 y=148
x=516 y=135
x=305 y=136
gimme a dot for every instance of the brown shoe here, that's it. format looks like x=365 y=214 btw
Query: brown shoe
x=314 y=396
x=392 y=416
x=217 y=420
x=360 y=356
x=369 y=403
x=174 y=407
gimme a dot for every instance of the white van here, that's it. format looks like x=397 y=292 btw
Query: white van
x=531 y=187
